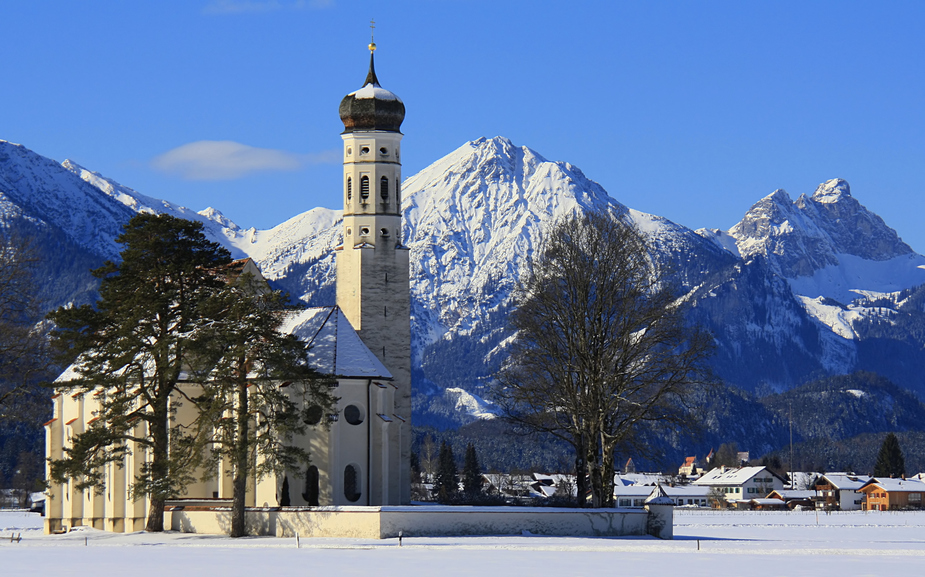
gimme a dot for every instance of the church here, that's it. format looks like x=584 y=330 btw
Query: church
x=360 y=452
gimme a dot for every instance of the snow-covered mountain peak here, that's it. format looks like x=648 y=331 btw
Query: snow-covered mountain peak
x=832 y=190
x=217 y=226
x=827 y=244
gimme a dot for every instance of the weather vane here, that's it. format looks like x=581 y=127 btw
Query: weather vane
x=372 y=35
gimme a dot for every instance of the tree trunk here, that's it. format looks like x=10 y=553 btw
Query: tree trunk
x=581 y=479
x=239 y=483
x=160 y=467
x=607 y=475
x=155 y=522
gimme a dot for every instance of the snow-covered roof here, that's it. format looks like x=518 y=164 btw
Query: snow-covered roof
x=638 y=478
x=897 y=485
x=336 y=348
x=790 y=494
x=845 y=482
x=767 y=502
x=677 y=491
x=737 y=476
x=658 y=497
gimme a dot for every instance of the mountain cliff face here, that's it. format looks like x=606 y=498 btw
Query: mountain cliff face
x=813 y=287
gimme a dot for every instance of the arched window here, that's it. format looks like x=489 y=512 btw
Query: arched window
x=352 y=483
x=364 y=188
x=311 y=486
x=349 y=188
x=384 y=189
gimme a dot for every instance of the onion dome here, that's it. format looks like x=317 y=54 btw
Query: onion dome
x=372 y=107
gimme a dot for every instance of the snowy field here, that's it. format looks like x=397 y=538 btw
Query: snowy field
x=746 y=543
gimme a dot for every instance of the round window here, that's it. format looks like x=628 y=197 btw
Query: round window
x=383 y=150
x=349 y=151
x=364 y=150
x=349 y=231
x=364 y=231
x=313 y=415
x=353 y=415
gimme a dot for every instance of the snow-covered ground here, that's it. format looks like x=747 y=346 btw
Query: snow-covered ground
x=748 y=543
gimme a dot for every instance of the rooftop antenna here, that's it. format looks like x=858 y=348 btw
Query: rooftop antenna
x=372 y=35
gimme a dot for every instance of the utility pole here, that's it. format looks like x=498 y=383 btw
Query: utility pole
x=791 y=447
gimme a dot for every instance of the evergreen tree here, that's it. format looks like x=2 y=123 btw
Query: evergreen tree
x=241 y=358
x=130 y=351
x=472 y=472
x=446 y=482
x=890 y=460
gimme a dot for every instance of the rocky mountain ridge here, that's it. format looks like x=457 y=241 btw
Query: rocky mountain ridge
x=787 y=291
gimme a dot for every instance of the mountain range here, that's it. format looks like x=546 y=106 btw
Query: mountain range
x=797 y=290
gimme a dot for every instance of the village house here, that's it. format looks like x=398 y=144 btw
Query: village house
x=795 y=497
x=884 y=494
x=681 y=495
x=690 y=468
x=841 y=491
x=741 y=483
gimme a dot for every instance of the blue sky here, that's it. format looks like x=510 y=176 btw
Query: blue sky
x=692 y=110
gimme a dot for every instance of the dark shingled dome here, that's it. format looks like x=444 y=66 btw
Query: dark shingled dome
x=382 y=111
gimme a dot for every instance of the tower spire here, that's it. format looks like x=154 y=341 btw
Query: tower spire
x=371 y=75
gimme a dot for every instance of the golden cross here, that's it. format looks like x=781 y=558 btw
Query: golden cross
x=372 y=30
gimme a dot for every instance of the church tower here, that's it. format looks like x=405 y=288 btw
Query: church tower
x=372 y=267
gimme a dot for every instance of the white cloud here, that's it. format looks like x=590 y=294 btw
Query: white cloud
x=228 y=160
x=241 y=6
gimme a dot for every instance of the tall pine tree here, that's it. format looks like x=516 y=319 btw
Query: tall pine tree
x=446 y=482
x=472 y=472
x=890 y=460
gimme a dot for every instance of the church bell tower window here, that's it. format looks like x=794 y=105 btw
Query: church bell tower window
x=364 y=188
x=349 y=188
x=384 y=189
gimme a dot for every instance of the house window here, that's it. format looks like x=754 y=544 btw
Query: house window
x=352 y=483
x=384 y=189
x=364 y=188
x=915 y=497
x=311 y=486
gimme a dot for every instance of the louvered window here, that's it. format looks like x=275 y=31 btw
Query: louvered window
x=384 y=189
x=364 y=188
x=349 y=188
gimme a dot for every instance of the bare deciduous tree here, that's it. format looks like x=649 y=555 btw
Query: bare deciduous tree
x=601 y=346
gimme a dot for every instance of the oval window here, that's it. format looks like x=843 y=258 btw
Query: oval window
x=353 y=415
x=313 y=415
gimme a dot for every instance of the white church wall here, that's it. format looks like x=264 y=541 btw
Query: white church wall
x=386 y=522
